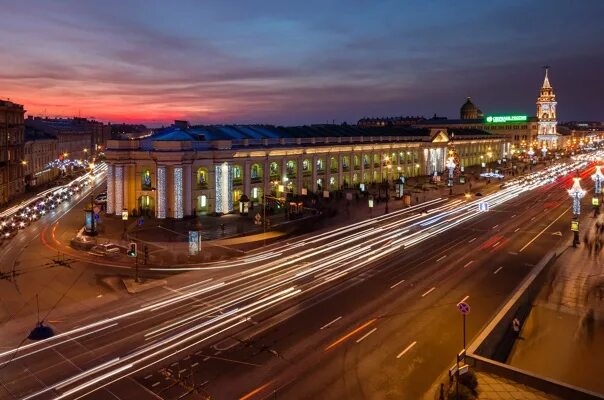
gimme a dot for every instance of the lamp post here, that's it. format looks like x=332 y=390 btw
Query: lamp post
x=451 y=167
x=576 y=193
x=544 y=150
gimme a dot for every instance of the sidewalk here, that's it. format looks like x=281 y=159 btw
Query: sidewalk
x=565 y=327
x=493 y=387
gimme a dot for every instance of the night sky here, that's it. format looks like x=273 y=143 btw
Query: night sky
x=302 y=62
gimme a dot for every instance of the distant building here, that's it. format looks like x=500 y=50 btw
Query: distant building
x=11 y=150
x=182 y=170
x=129 y=131
x=389 y=121
x=77 y=138
x=40 y=152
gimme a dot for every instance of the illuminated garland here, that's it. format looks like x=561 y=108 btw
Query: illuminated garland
x=119 y=188
x=178 y=204
x=110 y=189
x=161 y=192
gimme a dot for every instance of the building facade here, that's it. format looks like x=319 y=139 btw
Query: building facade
x=11 y=150
x=546 y=114
x=181 y=170
x=40 y=152
x=77 y=138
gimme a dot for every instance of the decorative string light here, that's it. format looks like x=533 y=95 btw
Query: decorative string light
x=110 y=188
x=224 y=188
x=576 y=193
x=161 y=192
x=119 y=188
x=178 y=204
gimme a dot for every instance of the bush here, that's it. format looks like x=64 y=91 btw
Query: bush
x=469 y=380
x=465 y=393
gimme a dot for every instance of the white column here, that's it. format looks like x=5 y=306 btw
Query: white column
x=125 y=189
x=314 y=173
x=119 y=189
x=187 y=179
x=177 y=207
x=247 y=178
x=299 y=174
x=110 y=190
x=161 y=192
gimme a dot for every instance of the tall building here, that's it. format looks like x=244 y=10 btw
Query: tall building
x=546 y=114
x=11 y=150
x=40 y=152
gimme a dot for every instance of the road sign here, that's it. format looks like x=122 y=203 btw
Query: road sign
x=257 y=219
x=595 y=202
x=348 y=196
x=463 y=308
x=574 y=226
x=97 y=217
x=326 y=194
x=304 y=191
x=125 y=215
x=140 y=221
x=483 y=206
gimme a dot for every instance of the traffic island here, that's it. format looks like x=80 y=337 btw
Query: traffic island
x=134 y=287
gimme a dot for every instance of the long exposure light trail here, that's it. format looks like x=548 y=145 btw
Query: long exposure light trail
x=276 y=276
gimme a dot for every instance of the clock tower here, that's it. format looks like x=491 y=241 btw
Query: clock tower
x=546 y=114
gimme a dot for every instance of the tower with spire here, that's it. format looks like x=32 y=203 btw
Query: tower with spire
x=546 y=114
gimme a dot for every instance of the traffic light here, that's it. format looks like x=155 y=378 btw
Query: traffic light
x=132 y=250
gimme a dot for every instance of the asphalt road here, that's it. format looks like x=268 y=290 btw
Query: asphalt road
x=363 y=312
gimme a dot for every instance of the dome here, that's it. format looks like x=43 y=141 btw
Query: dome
x=468 y=110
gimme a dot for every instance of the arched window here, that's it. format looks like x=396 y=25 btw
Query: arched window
x=274 y=170
x=333 y=164
x=256 y=173
x=366 y=160
x=202 y=178
x=306 y=167
x=290 y=167
x=356 y=161
x=320 y=165
x=346 y=163
x=146 y=180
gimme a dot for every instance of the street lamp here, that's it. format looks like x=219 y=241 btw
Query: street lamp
x=544 y=150
x=451 y=167
x=598 y=178
x=576 y=193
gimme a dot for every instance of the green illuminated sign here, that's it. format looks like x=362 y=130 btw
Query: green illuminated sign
x=498 y=119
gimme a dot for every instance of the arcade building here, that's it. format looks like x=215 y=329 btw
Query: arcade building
x=187 y=170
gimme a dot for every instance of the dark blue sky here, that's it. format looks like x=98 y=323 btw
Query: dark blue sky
x=289 y=62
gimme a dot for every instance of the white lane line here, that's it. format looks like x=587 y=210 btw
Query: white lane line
x=532 y=219
x=206 y=359
x=517 y=229
x=468 y=263
x=464 y=299
x=496 y=244
x=428 y=292
x=514 y=216
x=155 y=384
x=329 y=323
x=406 y=350
x=471 y=240
x=396 y=284
x=544 y=229
x=365 y=335
x=182 y=370
x=497 y=270
x=148 y=376
x=442 y=258
x=512 y=253
x=194 y=364
x=495 y=226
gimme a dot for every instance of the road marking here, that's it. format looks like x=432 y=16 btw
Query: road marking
x=442 y=258
x=517 y=229
x=468 y=263
x=349 y=334
x=514 y=216
x=194 y=364
x=182 y=370
x=495 y=226
x=428 y=292
x=406 y=350
x=396 y=284
x=497 y=270
x=512 y=253
x=365 y=335
x=471 y=240
x=532 y=219
x=464 y=299
x=496 y=244
x=329 y=323
x=544 y=229
x=155 y=384
x=206 y=358
x=148 y=376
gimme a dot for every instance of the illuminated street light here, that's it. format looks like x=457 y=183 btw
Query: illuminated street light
x=598 y=178
x=576 y=193
x=531 y=153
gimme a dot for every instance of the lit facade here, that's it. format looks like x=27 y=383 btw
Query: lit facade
x=546 y=114
x=12 y=133
x=181 y=170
